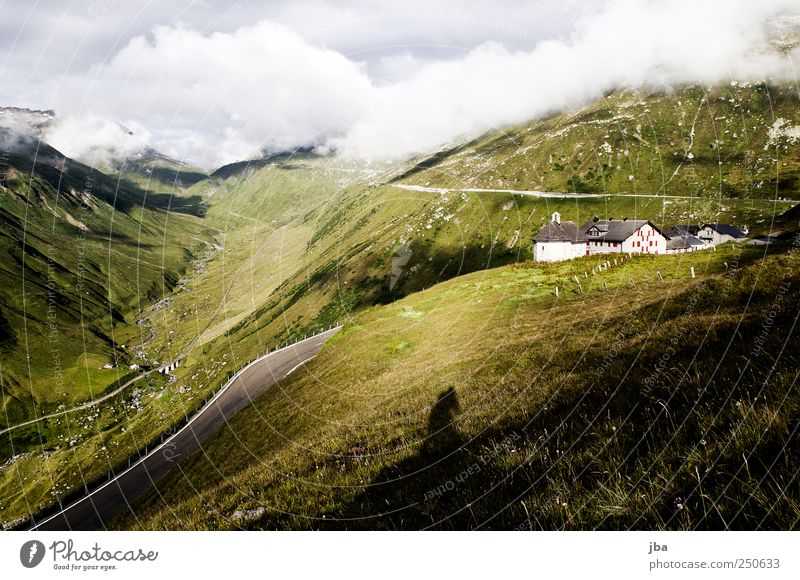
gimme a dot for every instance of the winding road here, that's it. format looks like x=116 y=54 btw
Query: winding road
x=564 y=195
x=96 y=510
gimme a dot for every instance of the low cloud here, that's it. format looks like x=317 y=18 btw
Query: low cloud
x=212 y=98
x=96 y=140
x=628 y=44
x=216 y=98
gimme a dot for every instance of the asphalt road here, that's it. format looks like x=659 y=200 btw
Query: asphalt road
x=95 y=510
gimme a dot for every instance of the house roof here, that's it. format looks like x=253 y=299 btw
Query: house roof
x=614 y=230
x=683 y=242
x=683 y=229
x=558 y=232
x=726 y=230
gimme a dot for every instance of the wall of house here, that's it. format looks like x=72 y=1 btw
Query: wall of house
x=713 y=238
x=556 y=251
x=645 y=240
x=601 y=247
x=709 y=236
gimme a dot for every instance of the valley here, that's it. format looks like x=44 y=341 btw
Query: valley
x=454 y=351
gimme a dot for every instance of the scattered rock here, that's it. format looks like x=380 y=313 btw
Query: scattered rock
x=249 y=515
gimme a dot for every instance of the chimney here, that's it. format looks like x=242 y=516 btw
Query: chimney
x=556 y=217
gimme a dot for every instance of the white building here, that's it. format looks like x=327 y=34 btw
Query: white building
x=713 y=234
x=557 y=241
x=683 y=243
x=622 y=236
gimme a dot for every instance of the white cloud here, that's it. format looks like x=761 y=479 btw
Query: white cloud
x=95 y=139
x=223 y=95
x=212 y=98
x=629 y=43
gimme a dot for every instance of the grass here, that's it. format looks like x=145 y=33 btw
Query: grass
x=301 y=243
x=71 y=291
x=81 y=254
x=500 y=406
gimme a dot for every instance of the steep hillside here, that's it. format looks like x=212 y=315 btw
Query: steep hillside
x=302 y=241
x=153 y=172
x=488 y=402
x=182 y=299
x=732 y=141
x=80 y=256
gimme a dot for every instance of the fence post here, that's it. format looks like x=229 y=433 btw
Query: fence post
x=556 y=292
x=692 y=268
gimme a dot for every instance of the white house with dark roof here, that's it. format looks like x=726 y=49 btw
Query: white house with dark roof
x=713 y=234
x=557 y=241
x=622 y=236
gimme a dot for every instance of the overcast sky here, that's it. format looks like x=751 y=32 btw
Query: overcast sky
x=212 y=82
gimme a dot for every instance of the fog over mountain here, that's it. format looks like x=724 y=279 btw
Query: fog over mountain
x=215 y=83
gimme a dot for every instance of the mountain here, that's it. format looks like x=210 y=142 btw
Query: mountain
x=734 y=141
x=487 y=402
x=466 y=383
x=150 y=170
x=432 y=279
x=81 y=255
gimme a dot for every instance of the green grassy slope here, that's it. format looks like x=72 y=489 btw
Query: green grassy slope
x=487 y=402
x=302 y=242
x=54 y=457
x=80 y=256
x=161 y=179
x=732 y=141
x=351 y=245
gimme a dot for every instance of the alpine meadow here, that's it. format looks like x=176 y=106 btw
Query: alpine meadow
x=388 y=285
